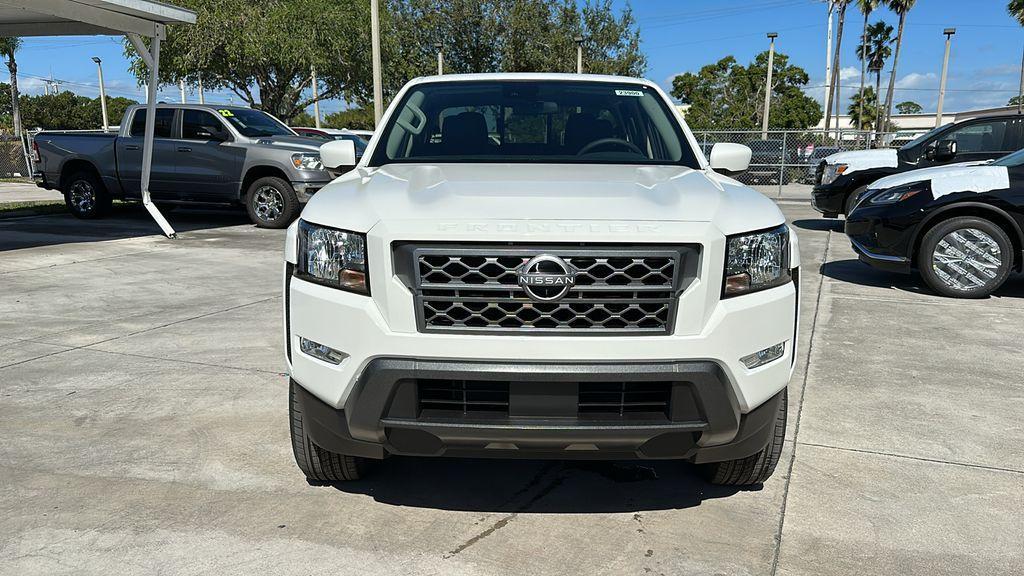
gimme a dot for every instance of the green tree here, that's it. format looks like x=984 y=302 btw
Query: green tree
x=303 y=118
x=876 y=51
x=866 y=7
x=8 y=47
x=1013 y=101
x=909 y=107
x=265 y=51
x=1016 y=9
x=863 y=109
x=728 y=95
x=900 y=7
x=352 y=118
x=69 y=111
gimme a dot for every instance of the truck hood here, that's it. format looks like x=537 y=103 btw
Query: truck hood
x=290 y=143
x=962 y=177
x=476 y=192
x=865 y=159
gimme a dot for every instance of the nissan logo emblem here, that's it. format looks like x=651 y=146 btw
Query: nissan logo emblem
x=546 y=278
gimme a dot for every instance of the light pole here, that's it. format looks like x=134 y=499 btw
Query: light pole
x=103 y=92
x=579 y=53
x=316 y=97
x=768 y=84
x=440 y=57
x=378 y=91
x=181 y=86
x=863 y=64
x=202 y=98
x=828 y=58
x=1020 y=92
x=942 y=83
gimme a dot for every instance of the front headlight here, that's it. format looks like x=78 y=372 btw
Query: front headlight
x=307 y=161
x=833 y=171
x=899 y=193
x=332 y=257
x=756 y=261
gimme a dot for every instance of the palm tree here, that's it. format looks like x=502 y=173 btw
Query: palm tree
x=900 y=7
x=866 y=8
x=8 y=46
x=864 y=108
x=876 y=51
x=834 y=80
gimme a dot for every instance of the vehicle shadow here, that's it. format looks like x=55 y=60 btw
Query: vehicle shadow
x=819 y=224
x=531 y=486
x=856 y=272
x=126 y=221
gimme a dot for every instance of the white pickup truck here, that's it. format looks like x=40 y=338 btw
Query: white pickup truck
x=539 y=265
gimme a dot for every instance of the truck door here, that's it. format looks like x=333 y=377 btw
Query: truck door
x=984 y=139
x=207 y=162
x=129 y=156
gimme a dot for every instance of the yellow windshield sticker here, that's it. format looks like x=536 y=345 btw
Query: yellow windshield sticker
x=225 y=113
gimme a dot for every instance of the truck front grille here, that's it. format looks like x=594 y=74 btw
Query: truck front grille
x=618 y=290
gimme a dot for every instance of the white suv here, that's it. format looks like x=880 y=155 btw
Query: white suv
x=539 y=265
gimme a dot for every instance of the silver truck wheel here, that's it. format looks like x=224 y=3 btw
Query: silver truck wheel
x=84 y=196
x=271 y=203
x=965 y=257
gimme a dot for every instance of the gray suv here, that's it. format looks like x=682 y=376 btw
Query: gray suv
x=203 y=154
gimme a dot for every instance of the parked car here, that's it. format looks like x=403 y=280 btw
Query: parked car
x=330 y=134
x=959 y=226
x=843 y=176
x=539 y=265
x=766 y=162
x=815 y=157
x=202 y=154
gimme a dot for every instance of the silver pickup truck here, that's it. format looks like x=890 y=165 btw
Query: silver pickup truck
x=202 y=154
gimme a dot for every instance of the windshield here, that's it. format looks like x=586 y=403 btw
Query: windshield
x=254 y=123
x=924 y=137
x=1011 y=160
x=564 y=122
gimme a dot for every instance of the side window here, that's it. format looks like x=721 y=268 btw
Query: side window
x=195 y=121
x=990 y=136
x=164 y=121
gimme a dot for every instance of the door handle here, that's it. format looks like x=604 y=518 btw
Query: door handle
x=184 y=149
x=131 y=147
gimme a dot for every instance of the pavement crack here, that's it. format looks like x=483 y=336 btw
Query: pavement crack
x=800 y=406
x=525 y=506
x=917 y=458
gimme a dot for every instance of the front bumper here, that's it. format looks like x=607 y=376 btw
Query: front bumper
x=383 y=415
x=883 y=236
x=829 y=199
x=305 y=190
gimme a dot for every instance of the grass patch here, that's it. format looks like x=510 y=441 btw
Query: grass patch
x=15 y=209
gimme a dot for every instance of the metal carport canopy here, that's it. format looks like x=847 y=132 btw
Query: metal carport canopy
x=131 y=18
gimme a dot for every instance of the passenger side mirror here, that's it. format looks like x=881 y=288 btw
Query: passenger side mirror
x=944 y=150
x=338 y=155
x=212 y=133
x=728 y=158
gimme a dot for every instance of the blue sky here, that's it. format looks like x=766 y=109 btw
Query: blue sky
x=681 y=36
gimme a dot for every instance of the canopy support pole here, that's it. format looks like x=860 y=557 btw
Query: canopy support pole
x=151 y=56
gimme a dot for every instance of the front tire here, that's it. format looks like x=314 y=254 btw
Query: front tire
x=756 y=468
x=317 y=464
x=85 y=196
x=965 y=257
x=271 y=202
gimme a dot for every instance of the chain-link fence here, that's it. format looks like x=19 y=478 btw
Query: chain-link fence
x=13 y=161
x=783 y=157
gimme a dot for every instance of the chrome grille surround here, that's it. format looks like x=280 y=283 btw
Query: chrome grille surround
x=619 y=290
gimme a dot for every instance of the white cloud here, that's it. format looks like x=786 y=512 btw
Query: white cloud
x=849 y=72
x=918 y=80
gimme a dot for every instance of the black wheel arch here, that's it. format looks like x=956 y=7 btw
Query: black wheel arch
x=995 y=214
x=261 y=171
x=75 y=165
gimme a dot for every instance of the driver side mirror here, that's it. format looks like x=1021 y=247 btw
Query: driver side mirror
x=729 y=159
x=944 y=150
x=338 y=156
x=212 y=133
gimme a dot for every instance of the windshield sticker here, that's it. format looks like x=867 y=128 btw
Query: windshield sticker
x=225 y=113
x=629 y=93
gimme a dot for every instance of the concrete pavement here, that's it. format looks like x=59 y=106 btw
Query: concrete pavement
x=26 y=192
x=143 y=412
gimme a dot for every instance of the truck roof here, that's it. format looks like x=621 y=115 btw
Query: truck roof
x=194 y=105
x=498 y=76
